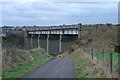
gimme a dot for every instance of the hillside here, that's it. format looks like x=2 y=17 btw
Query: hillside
x=94 y=49
x=104 y=38
x=17 y=63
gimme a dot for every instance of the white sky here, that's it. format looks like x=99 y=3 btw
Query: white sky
x=57 y=13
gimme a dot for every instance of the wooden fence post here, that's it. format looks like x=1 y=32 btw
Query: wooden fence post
x=92 y=53
x=84 y=50
x=103 y=51
x=111 y=63
x=97 y=56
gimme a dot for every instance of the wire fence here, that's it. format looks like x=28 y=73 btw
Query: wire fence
x=109 y=59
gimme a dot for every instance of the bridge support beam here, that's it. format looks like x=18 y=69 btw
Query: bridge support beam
x=48 y=43
x=60 y=43
x=31 y=41
x=38 y=40
x=79 y=30
x=25 y=40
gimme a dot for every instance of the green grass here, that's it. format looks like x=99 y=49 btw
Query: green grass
x=106 y=58
x=85 y=69
x=79 y=67
x=17 y=63
x=22 y=70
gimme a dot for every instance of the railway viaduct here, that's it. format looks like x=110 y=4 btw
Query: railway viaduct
x=55 y=39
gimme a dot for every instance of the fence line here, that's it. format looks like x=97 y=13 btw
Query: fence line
x=109 y=59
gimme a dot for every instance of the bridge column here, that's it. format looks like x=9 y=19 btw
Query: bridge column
x=25 y=40
x=60 y=43
x=31 y=41
x=48 y=43
x=79 y=30
x=38 y=40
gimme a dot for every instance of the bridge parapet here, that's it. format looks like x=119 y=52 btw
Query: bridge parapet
x=55 y=28
x=67 y=29
x=75 y=31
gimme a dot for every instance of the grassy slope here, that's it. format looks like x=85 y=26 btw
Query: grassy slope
x=106 y=39
x=99 y=39
x=86 y=69
x=17 y=63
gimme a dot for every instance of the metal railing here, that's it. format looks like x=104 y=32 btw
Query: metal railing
x=54 y=28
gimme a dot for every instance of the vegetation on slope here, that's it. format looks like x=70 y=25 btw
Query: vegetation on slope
x=86 y=69
x=17 y=63
x=18 y=33
x=101 y=41
x=15 y=39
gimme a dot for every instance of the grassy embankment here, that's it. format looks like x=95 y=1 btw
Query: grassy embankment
x=106 y=38
x=16 y=63
x=106 y=58
x=86 y=70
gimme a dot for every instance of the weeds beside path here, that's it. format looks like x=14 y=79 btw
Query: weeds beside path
x=18 y=64
x=85 y=69
x=22 y=70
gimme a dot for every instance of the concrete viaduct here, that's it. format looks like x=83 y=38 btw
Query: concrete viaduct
x=55 y=39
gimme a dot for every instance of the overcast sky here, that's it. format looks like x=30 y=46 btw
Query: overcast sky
x=56 y=13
